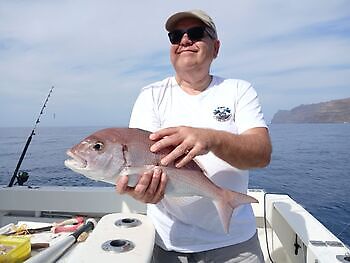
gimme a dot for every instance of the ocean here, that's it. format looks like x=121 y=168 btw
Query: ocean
x=310 y=162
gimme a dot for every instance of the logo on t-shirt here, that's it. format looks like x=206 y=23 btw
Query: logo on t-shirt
x=222 y=113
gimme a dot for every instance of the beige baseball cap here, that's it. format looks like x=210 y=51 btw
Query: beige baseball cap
x=198 y=14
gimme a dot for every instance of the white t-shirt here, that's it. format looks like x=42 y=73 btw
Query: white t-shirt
x=227 y=104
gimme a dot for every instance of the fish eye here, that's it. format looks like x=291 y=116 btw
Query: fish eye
x=98 y=146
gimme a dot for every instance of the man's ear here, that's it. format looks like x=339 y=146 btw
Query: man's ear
x=216 y=48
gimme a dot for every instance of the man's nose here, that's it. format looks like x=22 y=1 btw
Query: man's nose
x=185 y=40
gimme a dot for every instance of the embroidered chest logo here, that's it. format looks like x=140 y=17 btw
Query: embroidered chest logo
x=222 y=113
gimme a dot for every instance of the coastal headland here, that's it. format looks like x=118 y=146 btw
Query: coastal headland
x=334 y=111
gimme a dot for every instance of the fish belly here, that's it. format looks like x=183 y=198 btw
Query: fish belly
x=181 y=182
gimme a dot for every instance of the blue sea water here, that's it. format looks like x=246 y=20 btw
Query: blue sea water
x=310 y=162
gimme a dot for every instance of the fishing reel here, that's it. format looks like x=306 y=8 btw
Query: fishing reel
x=22 y=177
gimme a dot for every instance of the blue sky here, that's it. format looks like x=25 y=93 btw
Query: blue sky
x=99 y=54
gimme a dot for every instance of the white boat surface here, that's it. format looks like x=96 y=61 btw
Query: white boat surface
x=287 y=232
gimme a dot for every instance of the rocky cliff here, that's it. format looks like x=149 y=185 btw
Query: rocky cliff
x=335 y=111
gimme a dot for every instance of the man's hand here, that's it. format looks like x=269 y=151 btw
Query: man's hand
x=149 y=189
x=188 y=142
x=250 y=149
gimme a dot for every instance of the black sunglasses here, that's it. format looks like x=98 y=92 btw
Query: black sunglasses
x=193 y=33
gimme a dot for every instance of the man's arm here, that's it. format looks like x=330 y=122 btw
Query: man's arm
x=251 y=149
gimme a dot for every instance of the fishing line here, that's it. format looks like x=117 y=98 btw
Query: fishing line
x=341 y=232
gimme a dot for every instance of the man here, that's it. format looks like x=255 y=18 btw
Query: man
x=218 y=122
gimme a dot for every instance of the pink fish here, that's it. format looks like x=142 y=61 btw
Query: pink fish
x=113 y=152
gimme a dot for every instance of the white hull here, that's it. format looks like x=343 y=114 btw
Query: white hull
x=288 y=224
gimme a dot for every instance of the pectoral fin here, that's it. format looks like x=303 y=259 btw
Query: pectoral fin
x=134 y=172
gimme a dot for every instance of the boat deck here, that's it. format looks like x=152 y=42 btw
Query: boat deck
x=293 y=234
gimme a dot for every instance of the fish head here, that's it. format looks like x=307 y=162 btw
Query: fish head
x=99 y=156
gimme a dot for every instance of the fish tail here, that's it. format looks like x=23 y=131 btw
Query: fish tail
x=228 y=201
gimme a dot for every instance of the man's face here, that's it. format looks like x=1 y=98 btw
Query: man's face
x=188 y=54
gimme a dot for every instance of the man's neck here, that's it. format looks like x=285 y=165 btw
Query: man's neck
x=193 y=84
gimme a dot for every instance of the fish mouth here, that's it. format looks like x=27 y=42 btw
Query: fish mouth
x=76 y=162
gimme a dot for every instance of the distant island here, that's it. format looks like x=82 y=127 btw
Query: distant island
x=335 y=111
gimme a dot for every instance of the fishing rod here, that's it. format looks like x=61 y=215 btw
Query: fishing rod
x=15 y=173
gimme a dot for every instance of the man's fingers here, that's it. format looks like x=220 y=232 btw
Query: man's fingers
x=152 y=188
x=186 y=159
x=175 y=154
x=149 y=189
x=162 y=133
x=159 y=194
x=143 y=183
x=164 y=142
x=122 y=184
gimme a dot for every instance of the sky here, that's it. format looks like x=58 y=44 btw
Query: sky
x=99 y=54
